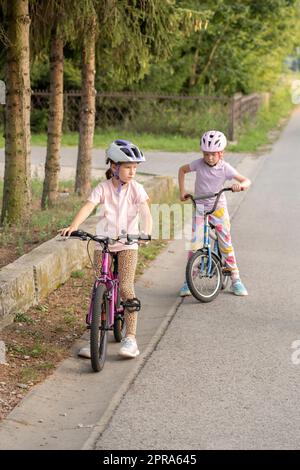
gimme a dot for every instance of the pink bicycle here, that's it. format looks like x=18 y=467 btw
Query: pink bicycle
x=106 y=310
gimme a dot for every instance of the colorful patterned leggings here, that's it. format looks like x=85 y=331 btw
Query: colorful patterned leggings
x=220 y=219
x=127 y=261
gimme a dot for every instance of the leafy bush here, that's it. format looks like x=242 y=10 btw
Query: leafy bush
x=39 y=120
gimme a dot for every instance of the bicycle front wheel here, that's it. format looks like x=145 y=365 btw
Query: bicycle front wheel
x=99 y=328
x=204 y=283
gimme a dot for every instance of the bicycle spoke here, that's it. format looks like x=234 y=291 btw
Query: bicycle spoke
x=204 y=285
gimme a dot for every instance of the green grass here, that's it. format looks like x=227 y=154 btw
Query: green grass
x=32 y=373
x=69 y=319
x=43 y=224
x=36 y=350
x=22 y=317
x=170 y=143
x=79 y=274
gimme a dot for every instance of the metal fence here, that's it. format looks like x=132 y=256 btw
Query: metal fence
x=158 y=114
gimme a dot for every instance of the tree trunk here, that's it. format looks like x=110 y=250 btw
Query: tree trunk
x=87 y=114
x=17 y=186
x=52 y=166
x=193 y=74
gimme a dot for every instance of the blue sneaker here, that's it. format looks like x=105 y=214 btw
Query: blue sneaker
x=184 y=291
x=238 y=288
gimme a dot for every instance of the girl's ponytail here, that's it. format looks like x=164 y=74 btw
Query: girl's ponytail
x=109 y=174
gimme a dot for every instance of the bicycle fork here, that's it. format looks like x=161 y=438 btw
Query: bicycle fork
x=207 y=247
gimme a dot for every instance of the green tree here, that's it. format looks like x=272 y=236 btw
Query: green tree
x=17 y=188
x=131 y=35
x=241 y=49
x=89 y=28
x=54 y=24
x=50 y=27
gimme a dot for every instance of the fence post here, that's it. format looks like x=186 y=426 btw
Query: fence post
x=234 y=117
x=66 y=114
x=265 y=99
x=2 y=102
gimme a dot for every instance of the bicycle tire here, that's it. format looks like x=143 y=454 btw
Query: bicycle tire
x=196 y=288
x=99 y=336
x=119 y=328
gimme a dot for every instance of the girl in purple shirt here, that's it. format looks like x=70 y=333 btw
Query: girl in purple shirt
x=211 y=173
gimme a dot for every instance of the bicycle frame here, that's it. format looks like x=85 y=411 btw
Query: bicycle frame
x=207 y=245
x=206 y=228
x=99 y=321
x=111 y=281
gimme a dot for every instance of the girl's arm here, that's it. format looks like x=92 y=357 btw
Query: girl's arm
x=181 y=173
x=245 y=183
x=145 y=218
x=80 y=217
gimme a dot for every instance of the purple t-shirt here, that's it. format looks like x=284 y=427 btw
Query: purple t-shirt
x=210 y=179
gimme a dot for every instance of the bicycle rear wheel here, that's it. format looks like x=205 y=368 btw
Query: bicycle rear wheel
x=99 y=329
x=204 y=285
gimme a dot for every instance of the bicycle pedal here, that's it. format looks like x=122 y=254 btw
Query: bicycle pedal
x=226 y=272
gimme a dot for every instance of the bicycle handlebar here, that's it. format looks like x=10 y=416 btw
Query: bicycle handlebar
x=208 y=196
x=110 y=241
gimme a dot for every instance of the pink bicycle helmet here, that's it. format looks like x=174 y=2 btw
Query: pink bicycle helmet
x=213 y=141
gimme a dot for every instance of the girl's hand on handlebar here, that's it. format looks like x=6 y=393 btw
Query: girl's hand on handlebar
x=66 y=232
x=142 y=242
x=236 y=187
x=184 y=197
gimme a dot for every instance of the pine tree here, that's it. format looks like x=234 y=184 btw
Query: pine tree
x=17 y=187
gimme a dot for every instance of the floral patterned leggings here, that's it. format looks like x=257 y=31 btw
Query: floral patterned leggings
x=127 y=261
x=220 y=219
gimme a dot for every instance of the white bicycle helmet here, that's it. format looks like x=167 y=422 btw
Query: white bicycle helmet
x=213 y=141
x=124 y=151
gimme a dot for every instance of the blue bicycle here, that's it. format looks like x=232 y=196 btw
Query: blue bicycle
x=206 y=272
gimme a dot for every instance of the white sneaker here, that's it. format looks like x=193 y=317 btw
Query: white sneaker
x=129 y=347
x=85 y=351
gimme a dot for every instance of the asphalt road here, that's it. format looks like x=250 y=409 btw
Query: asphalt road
x=225 y=374
x=158 y=163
